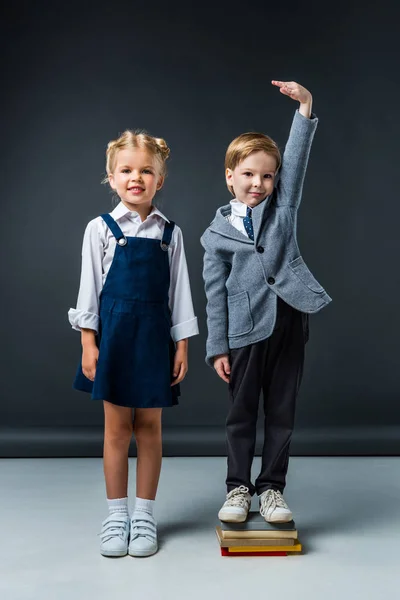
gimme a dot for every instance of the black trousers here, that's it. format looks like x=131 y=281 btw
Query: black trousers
x=275 y=367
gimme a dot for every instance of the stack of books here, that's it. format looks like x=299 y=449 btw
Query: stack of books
x=256 y=537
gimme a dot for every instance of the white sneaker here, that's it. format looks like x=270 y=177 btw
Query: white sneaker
x=274 y=508
x=114 y=535
x=143 y=535
x=237 y=505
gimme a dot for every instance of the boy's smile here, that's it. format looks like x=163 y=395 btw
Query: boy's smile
x=253 y=179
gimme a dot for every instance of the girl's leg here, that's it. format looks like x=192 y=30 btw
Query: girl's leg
x=147 y=428
x=118 y=429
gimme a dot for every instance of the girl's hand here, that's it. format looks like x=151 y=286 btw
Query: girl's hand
x=180 y=365
x=90 y=356
x=294 y=90
x=222 y=366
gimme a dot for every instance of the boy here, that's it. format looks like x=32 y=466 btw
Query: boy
x=259 y=294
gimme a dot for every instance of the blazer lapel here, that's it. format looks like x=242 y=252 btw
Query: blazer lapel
x=222 y=226
x=259 y=215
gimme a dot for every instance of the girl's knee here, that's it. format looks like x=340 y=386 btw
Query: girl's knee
x=119 y=433
x=147 y=430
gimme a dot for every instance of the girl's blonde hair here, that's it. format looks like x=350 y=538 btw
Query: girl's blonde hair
x=157 y=147
x=246 y=143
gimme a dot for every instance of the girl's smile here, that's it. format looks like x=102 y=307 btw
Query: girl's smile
x=136 y=190
x=136 y=178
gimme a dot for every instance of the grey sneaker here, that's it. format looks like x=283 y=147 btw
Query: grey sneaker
x=143 y=535
x=274 y=508
x=114 y=535
x=236 y=506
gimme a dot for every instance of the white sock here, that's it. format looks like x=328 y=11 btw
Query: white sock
x=144 y=505
x=118 y=505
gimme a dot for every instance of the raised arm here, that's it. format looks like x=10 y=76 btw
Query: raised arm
x=297 y=150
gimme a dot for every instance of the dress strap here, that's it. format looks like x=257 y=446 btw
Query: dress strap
x=167 y=235
x=115 y=229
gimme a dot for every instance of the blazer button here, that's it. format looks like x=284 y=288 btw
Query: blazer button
x=271 y=280
x=260 y=249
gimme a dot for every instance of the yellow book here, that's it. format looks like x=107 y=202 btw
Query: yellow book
x=296 y=548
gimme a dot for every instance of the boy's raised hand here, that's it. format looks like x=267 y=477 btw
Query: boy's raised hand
x=293 y=90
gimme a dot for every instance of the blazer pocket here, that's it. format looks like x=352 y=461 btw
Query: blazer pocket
x=240 y=320
x=299 y=268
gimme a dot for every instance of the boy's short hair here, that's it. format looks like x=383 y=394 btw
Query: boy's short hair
x=247 y=143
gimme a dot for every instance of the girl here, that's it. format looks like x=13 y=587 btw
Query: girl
x=135 y=314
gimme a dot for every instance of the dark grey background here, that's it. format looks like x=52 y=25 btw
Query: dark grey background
x=75 y=75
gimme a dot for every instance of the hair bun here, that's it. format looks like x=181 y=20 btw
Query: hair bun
x=157 y=147
x=162 y=144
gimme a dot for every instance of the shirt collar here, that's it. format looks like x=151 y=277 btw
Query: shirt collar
x=238 y=208
x=121 y=211
x=156 y=212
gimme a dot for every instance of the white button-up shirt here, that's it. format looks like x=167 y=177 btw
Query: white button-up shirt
x=239 y=211
x=98 y=253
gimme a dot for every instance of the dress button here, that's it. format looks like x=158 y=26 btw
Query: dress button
x=271 y=280
x=260 y=249
x=122 y=241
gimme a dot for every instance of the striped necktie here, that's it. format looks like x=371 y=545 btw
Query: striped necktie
x=248 y=223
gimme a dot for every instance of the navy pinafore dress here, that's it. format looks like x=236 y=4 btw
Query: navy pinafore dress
x=136 y=351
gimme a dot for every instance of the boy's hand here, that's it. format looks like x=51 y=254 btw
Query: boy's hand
x=180 y=365
x=294 y=90
x=90 y=356
x=222 y=366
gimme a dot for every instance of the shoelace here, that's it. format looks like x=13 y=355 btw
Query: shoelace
x=272 y=499
x=112 y=527
x=143 y=528
x=237 y=496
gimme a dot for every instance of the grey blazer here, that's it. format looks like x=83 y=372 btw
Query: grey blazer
x=243 y=278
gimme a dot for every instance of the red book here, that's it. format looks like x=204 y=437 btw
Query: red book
x=225 y=552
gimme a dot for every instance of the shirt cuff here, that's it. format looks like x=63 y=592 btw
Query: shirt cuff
x=81 y=319
x=184 y=330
